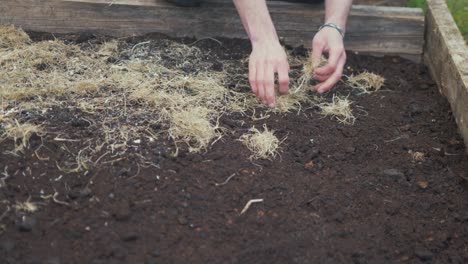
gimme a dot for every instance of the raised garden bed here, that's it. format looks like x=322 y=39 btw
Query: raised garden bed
x=108 y=175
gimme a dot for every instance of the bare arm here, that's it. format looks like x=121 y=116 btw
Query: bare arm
x=336 y=11
x=267 y=56
x=328 y=40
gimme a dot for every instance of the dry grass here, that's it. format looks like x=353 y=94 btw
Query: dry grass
x=109 y=48
x=340 y=108
x=20 y=133
x=417 y=156
x=307 y=71
x=366 y=82
x=194 y=127
x=139 y=88
x=86 y=86
x=48 y=68
x=292 y=101
x=28 y=207
x=264 y=145
x=205 y=89
x=11 y=37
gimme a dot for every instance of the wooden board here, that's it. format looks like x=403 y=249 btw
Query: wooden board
x=371 y=29
x=446 y=55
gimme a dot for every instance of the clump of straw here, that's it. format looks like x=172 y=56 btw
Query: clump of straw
x=366 y=82
x=340 y=108
x=12 y=37
x=264 y=145
x=20 y=133
x=194 y=127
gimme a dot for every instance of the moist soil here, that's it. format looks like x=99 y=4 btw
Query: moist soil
x=335 y=194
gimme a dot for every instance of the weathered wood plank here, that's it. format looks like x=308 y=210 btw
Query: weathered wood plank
x=446 y=55
x=371 y=29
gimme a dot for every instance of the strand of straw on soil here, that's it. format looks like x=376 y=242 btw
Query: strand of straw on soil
x=6 y=175
x=226 y=181
x=249 y=203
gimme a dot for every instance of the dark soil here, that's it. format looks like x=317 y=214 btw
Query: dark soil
x=337 y=194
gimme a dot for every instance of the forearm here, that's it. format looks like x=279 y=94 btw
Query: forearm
x=256 y=20
x=336 y=11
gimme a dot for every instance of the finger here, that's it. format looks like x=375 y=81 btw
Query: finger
x=253 y=77
x=330 y=67
x=283 y=78
x=321 y=78
x=269 y=85
x=334 y=78
x=317 y=50
x=260 y=80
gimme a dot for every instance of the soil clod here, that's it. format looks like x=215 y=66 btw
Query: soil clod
x=394 y=174
x=423 y=254
x=25 y=223
x=129 y=236
x=122 y=211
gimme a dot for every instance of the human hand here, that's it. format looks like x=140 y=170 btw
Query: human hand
x=266 y=59
x=328 y=40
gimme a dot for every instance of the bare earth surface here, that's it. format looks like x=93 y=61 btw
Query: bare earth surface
x=335 y=194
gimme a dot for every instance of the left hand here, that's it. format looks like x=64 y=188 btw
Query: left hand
x=328 y=40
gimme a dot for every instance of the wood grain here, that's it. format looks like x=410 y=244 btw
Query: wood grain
x=371 y=29
x=446 y=55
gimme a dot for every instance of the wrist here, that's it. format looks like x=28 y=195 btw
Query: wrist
x=337 y=21
x=333 y=27
x=261 y=40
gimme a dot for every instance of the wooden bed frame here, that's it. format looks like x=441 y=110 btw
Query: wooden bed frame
x=371 y=29
x=446 y=55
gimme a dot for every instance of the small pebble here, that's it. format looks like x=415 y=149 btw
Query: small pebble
x=83 y=193
x=392 y=210
x=358 y=254
x=156 y=253
x=25 y=223
x=339 y=217
x=350 y=149
x=122 y=212
x=151 y=261
x=423 y=184
x=423 y=254
x=53 y=260
x=394 y=174
x=129 y=237
x=182 y=220
x=339 y=156
x=424 y=86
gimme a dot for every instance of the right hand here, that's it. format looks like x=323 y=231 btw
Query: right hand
x=266 y=59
